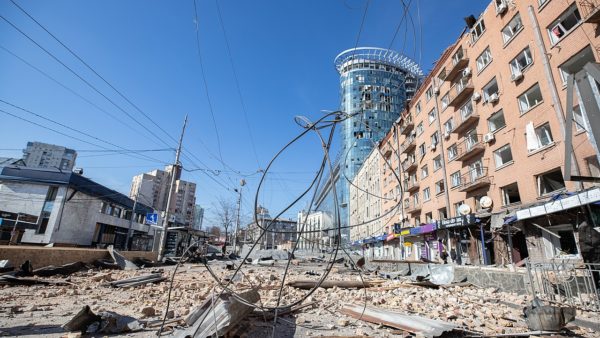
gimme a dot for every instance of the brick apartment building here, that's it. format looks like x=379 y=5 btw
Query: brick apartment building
x=482 y=145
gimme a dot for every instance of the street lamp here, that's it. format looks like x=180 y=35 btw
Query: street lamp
x=237 y=223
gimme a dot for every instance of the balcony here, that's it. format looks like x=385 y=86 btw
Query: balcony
x=474 y=179
x=407 y=125
x=460 y=61
x=412 y=207
x=409 y=144
x=409 y=164
x=469 y=147
x=590 y=10
x=460 y=91
x=465 y=118
x=411 y=185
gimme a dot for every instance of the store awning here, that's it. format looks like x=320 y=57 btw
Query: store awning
x=559 y=203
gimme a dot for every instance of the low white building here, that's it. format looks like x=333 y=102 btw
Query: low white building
x=42 y=206
x=317 y=231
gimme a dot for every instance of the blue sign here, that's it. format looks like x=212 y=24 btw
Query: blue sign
x=0 y=221
x=152 y=219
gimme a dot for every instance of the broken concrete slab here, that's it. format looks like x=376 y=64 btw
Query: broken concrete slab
x=309 y=284
x=123 y=262
x=139 y=280
x=106 y=322
x=12 y=280
x=418 y=325
x=52 y=270
x=218 y=314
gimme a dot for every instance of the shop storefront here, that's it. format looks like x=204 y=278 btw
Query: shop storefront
x=458 y=234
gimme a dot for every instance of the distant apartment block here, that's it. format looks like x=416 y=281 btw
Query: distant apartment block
x=152 y=188
x=198 y=217
x=44 y=155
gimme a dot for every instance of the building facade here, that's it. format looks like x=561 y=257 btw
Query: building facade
x=198 y=217
x=44 y=155
x=279 y=231
x=153 y=189
x=43 y=206
x=316 y=229
x=484 y=141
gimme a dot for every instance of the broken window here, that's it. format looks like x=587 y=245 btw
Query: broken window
x=564 y=24
x=440 y=187
x=510 y=194
x=496 y=121
x=477 y=30
x=512 y=28
x=490 y=91
x=484 y=59
x=432 y=115
x=503 y=156
x=550 y=182
x=539 y=137
x=531 y=98
x=521 y=61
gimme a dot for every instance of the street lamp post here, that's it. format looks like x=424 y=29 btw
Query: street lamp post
x=237 y=223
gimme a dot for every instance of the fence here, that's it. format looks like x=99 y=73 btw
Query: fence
x=566 y=282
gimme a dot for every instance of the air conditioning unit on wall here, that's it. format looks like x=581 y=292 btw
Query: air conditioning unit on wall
x=466 y=72
x=476 y=96
x=516 y=76
x=489 y=137
x=494 y=98
x=501 y=8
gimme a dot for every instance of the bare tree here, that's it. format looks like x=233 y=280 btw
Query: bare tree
x=214 y=230
x=225 y=213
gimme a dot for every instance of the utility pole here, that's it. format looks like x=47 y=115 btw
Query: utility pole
x=237 y=223
x=135 y=198
x=176 y=165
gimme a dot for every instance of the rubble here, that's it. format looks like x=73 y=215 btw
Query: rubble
x=137 y=281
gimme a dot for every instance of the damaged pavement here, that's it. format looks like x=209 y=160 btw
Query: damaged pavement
x=350 y=302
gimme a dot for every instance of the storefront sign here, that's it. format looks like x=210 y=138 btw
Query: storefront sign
x=390 y=237
x=582 y=198
x=423 y=229
x=460 y=221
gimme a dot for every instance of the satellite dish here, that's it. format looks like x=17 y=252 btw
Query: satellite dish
x=485 y=202
x=464 y=209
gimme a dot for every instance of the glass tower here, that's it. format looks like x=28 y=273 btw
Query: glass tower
x=375 y=84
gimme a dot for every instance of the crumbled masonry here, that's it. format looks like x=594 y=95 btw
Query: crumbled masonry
x=44 y=309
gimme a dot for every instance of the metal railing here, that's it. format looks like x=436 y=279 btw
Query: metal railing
x=468 y=145
x=588 y=8
x=475 y=176
x=566 y=281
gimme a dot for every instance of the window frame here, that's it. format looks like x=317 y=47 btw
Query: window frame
x=526 y=95
x=426 y=194
x=558 y=23
x=494 y=115
x=474 y=35
x=455 y=176
x=514 y=32
x=429 y=115
x=424 y=171
x=498 y=155
x=437 y=159
x=514 y=64
x=485 y=53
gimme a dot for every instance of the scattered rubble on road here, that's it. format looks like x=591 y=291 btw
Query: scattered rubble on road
x=44 y=309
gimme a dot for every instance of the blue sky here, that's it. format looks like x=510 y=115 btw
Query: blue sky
x=282 y=52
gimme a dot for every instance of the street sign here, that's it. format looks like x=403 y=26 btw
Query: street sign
x=152 y=219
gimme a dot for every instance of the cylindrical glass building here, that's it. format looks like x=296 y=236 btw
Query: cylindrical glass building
x=374 y=84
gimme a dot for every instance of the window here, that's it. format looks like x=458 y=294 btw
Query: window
x=490 y=89
x=564 y=24
x=432 y=115
x=484 y=59
x=503 y=156
x=510 y=194
x=512 y=28
x=428 y=94
x=456 y=207
x=435 y=138
x=442 y=74
x=593 y=166
x=542 y=2
x=538 y=137
x=531 y=98
x=422 y=149
x=477 y=30
x=466 y=110
x=424 y=171
x=455 y=179
x=443 y=214
x=426 y=194
x=429 y=217
x=496 y=121
x=521 y=61
x=440 y=187
x=437 y=163
x=562 y=245
x=449 y=125
x=445 y=101
x=471 y=139
x=459 y=55
x=578 y=119
x=416 y=199
x=550 y=182
x=452 y=152
x=576 y=63
x=419 y=129
x=418 y=109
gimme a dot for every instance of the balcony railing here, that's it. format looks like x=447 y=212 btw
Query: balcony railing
x=408 y=144
x=472 y=145
x=589 y=10
x=411 y=185
x=407 y=125
x=460 y=91
x=412 y=206
x=465 y=118
x=474 y=179
x=460 y=60
x=409 y=164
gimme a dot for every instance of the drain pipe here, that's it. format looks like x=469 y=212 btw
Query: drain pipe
x=552 y=85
